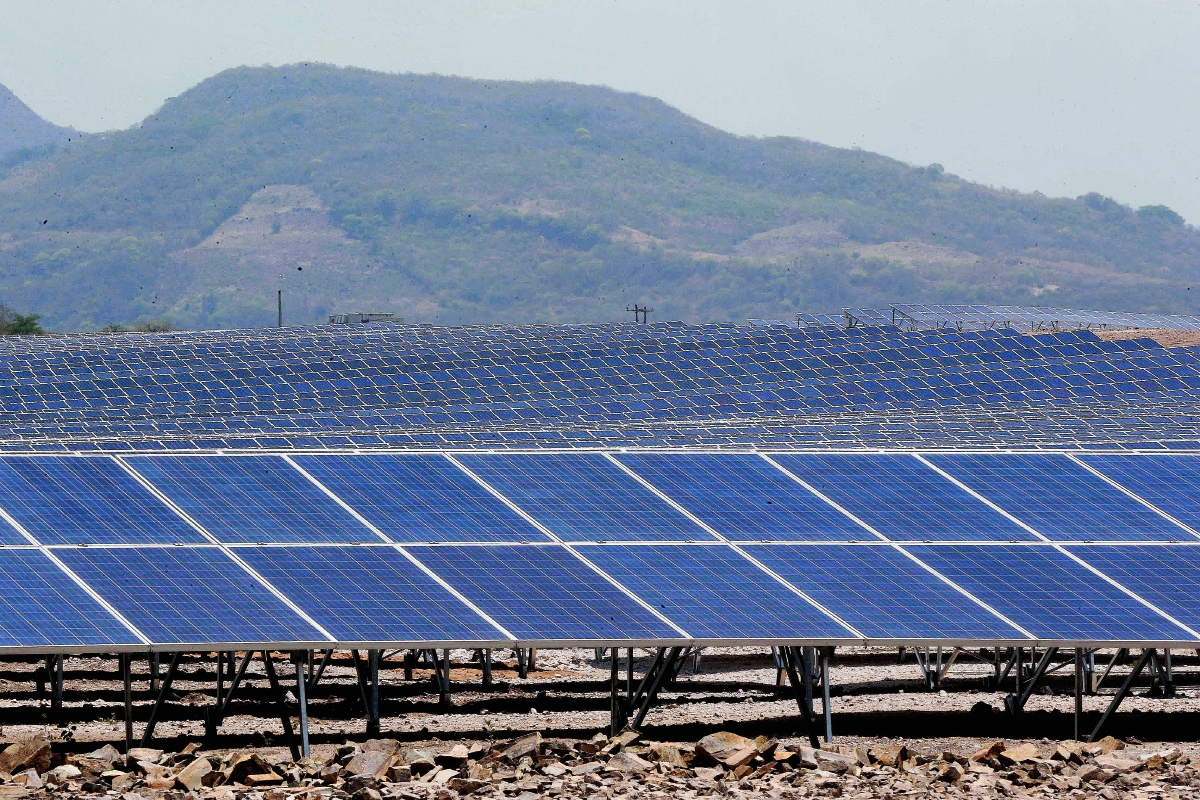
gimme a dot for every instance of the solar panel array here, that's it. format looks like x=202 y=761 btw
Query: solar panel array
x=985 y=317
x=543 y=548
x=387 y=385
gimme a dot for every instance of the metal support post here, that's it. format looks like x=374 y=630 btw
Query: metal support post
x=315 y=677
x=803 y=689
x=826 y=652
x=1017 y=678
x=281 y=695
x=410 y=659
x=443 y=677
x=127 y=676
x=665 y=665
x=487 y=668
x=218 y=713
x=1015 y=703
x=373 y=658
x=1078 y=693
x=162 y=696
x=616 y=716
x=1168 y=679
x=1122 y=692
x=522 y=663
x=57 y=697
x=154 y=663
x=299 y=659
x=629 y=674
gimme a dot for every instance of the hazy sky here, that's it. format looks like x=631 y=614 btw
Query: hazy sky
x=1062 y=97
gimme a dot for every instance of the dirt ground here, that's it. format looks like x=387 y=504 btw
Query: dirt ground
x=877 y=702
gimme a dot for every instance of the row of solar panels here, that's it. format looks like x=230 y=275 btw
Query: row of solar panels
x=796 y=381
x=982 y=317
x=598 y=497
x=81 y=599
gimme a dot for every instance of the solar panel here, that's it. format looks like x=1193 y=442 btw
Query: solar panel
x=188 y=595
x=713 y=592
x=40 y=606
x=1059 y=498
x=882 y=593
x=743 y=497
x=368 y=594
x=67 y=500
x=419 y=498
x=252 y=499
x=1048 y=594
x=902 y=498
x=542 y=592
x=1166 y=575
x=583 y=497
x=1169 y=482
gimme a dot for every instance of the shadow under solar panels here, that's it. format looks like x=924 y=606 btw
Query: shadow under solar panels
x=189 y=595
x=251 y=499
x=1058 y=498
x=743 y=497
x=1170 y=483
x=1166 y=575
x=712 y=592
x=583 y=497
x=1049 y=594
x=81 y=500
x=883 y=593
x=369 y=594
x=543 y=592
x=902 y=498
x=42 y=607
x=419 y=498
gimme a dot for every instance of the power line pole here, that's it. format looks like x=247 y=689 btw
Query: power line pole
x=640 y=313
x=279 y=300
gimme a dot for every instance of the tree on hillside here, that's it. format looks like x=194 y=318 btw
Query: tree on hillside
x=12 y=323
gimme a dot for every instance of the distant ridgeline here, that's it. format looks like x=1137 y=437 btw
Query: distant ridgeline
x=454 y=201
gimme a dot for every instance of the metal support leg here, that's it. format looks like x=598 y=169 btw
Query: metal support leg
x=373 y=723
x=1122 y=692
x=616 y=717
x=1015 y=703
x=1078 y=693
x=665 y=665
x=281 y=695
x=444 y=678
x=299 y=659
x=1116 y=659
x=629 y=674
x=127 y=676
x=522 y=663
x=1168 y=679
x=154 y=670
x=825 y=654
x=56 y=702
x=410 y=659
x=487 y=668
x=223 y=703
x=803 y=689
x=315 y=677
x=162 y=696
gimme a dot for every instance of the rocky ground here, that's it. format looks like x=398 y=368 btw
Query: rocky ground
x=724 y=729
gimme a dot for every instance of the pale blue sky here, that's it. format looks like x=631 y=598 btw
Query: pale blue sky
x=1061 y=97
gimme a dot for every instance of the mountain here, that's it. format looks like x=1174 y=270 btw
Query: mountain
x=23 y=134
x=468 y=201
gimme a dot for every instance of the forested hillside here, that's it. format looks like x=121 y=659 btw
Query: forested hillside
x=457 y=201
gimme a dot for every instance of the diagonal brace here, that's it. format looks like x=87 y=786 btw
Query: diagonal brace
x=1122 y=692
x=1016 y=703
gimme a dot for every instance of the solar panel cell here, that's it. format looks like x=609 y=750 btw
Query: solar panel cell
x=713 y=592
x=40 y=606
x=744 y=497
x=543 y=592
x=188 y=595
x=252 y=499
x=368 y=594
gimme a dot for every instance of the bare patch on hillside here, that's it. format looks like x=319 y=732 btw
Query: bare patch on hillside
x=791 y=239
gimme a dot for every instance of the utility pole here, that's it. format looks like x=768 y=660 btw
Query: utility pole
x=279 y=301
x=640 y=313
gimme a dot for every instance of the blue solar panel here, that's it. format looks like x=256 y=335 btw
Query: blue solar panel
x=1165 y=575
x=1171 y=483
x=419 y=498
x=188 y=595
x=368 y=594
x=542 y=592
x=881 y=592
x=252 y=499
x=67 y=500
x=743 y=497
x=583 y=498
x=1058 y=498
x=713 y=592
x=1047 y=593
x=41 y=607
x=902 y=498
